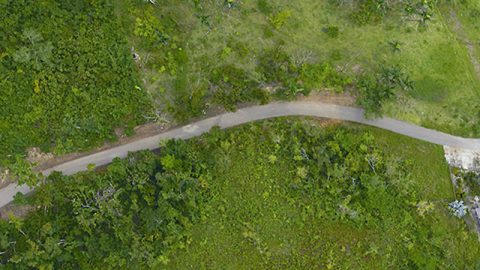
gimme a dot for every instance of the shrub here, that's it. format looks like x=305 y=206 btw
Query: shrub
x=232 y=85
x=318 y=76
x=369 y=11
x=375 y=90
x=188 y=103
x=276 y=68
x=264 y=7
x=149 y=27
x=280 y=18
x=331 y=31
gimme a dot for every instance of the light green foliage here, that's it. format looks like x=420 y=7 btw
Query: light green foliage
x=365 y=12
x=24 y=173
x=280 y=18
x=468 y=180
x=149 y=27
x=320 y=204
x=272 y=195
x=319 y=76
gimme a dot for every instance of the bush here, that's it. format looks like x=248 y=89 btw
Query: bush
x=232 y=85
x=373 y=11
x=381 y=87
x=280 y=18
x=369 y=11
x=318 y=76
x=277 y=68
x=331 y=31
x=188 y=102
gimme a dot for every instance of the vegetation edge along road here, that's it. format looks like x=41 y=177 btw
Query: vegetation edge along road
x=242 y=116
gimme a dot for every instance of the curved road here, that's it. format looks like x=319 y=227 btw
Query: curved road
x=296 y=108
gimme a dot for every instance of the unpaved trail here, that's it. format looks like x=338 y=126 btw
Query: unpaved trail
x=458 y=28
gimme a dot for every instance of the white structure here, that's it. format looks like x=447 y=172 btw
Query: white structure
x=462 y=158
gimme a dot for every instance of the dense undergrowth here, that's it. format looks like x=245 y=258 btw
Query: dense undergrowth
x=67 y=78
x=275 y=194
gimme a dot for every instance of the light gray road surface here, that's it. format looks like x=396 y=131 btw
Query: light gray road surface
x=246 y=115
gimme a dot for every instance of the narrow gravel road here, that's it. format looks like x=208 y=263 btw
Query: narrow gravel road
x=248 y=115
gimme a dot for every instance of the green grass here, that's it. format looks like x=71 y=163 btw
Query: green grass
x=253 y=223
x=428 y=166
x=446 y=86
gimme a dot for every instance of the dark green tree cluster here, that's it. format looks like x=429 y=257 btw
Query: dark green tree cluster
x=67 y=77
x=129 y=217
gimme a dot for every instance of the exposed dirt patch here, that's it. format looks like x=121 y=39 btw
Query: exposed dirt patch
x=345 y=99
x=15 y=210
x=36 y=156
x=4 y=177
x=458 y=28
x=325 y=122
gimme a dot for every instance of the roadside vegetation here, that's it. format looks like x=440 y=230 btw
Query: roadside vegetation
x=273 y=194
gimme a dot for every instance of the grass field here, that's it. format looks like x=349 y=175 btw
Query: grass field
x=213 y=34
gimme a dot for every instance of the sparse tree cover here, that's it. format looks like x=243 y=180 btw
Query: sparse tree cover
x=301 y=183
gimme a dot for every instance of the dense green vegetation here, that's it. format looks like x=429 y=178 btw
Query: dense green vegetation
x=275 y=194
x=67 y=78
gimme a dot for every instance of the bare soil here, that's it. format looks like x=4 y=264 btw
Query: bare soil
x=345 y=99
x=15 y=210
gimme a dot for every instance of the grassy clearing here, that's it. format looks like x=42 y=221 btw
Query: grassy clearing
x=213 y=34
